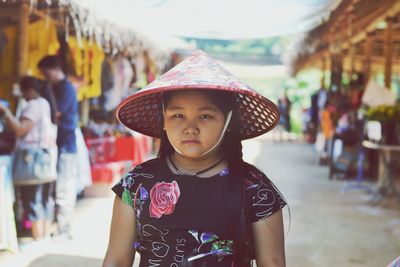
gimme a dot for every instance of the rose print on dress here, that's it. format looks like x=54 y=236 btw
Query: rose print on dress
x=164 y=197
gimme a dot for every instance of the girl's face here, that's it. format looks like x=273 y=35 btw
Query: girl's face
x=193 y=123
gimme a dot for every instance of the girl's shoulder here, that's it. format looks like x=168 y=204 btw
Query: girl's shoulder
x=142 y=174
x=256 y=179
x=252 y=173
x=263 y=196
x=149 y=166
x=145 y=170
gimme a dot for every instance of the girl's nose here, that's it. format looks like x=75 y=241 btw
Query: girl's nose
x=191 y=128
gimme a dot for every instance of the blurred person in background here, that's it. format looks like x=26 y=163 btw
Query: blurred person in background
x=284 y=106
x=67 y=118
x=35 y=128
x=7 y=136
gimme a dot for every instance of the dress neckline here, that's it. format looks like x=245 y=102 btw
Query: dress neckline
x=221 y=174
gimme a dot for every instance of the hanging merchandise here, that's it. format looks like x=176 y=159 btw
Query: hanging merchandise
x=149 y=74
x=107 y=83
x=42 y=41
x=3 y=41
x=120 y=72
x=150 y=67
x=114 y=95
x=122 y=77
x=88 y=59
x=127 y=76
x=7 y=62
x=134 y=74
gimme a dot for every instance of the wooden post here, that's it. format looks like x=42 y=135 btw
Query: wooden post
x=336 y=64
x=351 y=56
x=367 y=55
x=388 y=51
x=351 y=44
x=323 y=72
x=22 y=40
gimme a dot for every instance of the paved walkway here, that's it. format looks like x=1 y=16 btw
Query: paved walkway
x=327 y=228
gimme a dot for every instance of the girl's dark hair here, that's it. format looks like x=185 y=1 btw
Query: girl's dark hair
x=29 y=82
x=232 y=149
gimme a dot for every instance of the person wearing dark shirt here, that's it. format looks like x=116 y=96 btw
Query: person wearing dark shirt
x=47 y=93
x=67 y=120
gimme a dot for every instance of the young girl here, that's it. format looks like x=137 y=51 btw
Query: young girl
x=198 y=203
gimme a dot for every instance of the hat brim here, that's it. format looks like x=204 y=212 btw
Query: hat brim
x=142 y=111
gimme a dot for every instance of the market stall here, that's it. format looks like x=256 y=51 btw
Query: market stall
x=103 y=61
x=357 y=50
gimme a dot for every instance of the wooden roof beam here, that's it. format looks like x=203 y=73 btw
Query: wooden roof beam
x=372 y=25
x=388 y=51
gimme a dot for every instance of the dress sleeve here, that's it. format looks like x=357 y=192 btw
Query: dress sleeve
x=263 y=198
x=126 y=188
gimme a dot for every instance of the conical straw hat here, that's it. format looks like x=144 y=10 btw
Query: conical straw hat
x=142 y=111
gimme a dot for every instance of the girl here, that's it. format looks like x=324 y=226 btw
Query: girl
x=198 y=203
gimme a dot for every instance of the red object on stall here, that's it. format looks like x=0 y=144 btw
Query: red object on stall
x=126 y=147
x=109 y=172
x=101 y=150
x=112 y=157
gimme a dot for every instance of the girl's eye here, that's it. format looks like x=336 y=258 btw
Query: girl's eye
x=178 y=116
x=206 y=116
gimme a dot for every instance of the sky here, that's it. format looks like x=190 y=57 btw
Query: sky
x=213 y=19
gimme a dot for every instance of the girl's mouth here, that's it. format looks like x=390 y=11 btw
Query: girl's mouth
x=191 y=142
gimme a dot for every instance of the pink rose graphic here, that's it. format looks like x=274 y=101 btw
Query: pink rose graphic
x=163 y=198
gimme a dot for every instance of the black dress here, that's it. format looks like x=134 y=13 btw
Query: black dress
x=185 y=220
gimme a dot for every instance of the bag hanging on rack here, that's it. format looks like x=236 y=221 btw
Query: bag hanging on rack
x=33 y=166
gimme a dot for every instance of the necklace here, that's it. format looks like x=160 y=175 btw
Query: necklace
x=179 y=171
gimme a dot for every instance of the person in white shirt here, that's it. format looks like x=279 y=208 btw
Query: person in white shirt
x=35 y=128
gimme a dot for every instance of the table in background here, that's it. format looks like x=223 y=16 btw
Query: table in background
x=387 y=183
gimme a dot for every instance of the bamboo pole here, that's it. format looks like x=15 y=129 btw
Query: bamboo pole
x=351 y=44
x=336 y=62
x=22 y=40
x=388 y=51
x=323 y=72
x=367 y=55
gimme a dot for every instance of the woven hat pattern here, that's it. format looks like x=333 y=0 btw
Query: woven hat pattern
x=142 y=111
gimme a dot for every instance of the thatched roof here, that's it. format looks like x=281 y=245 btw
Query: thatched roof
x=348 y=25
x=74 y=19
